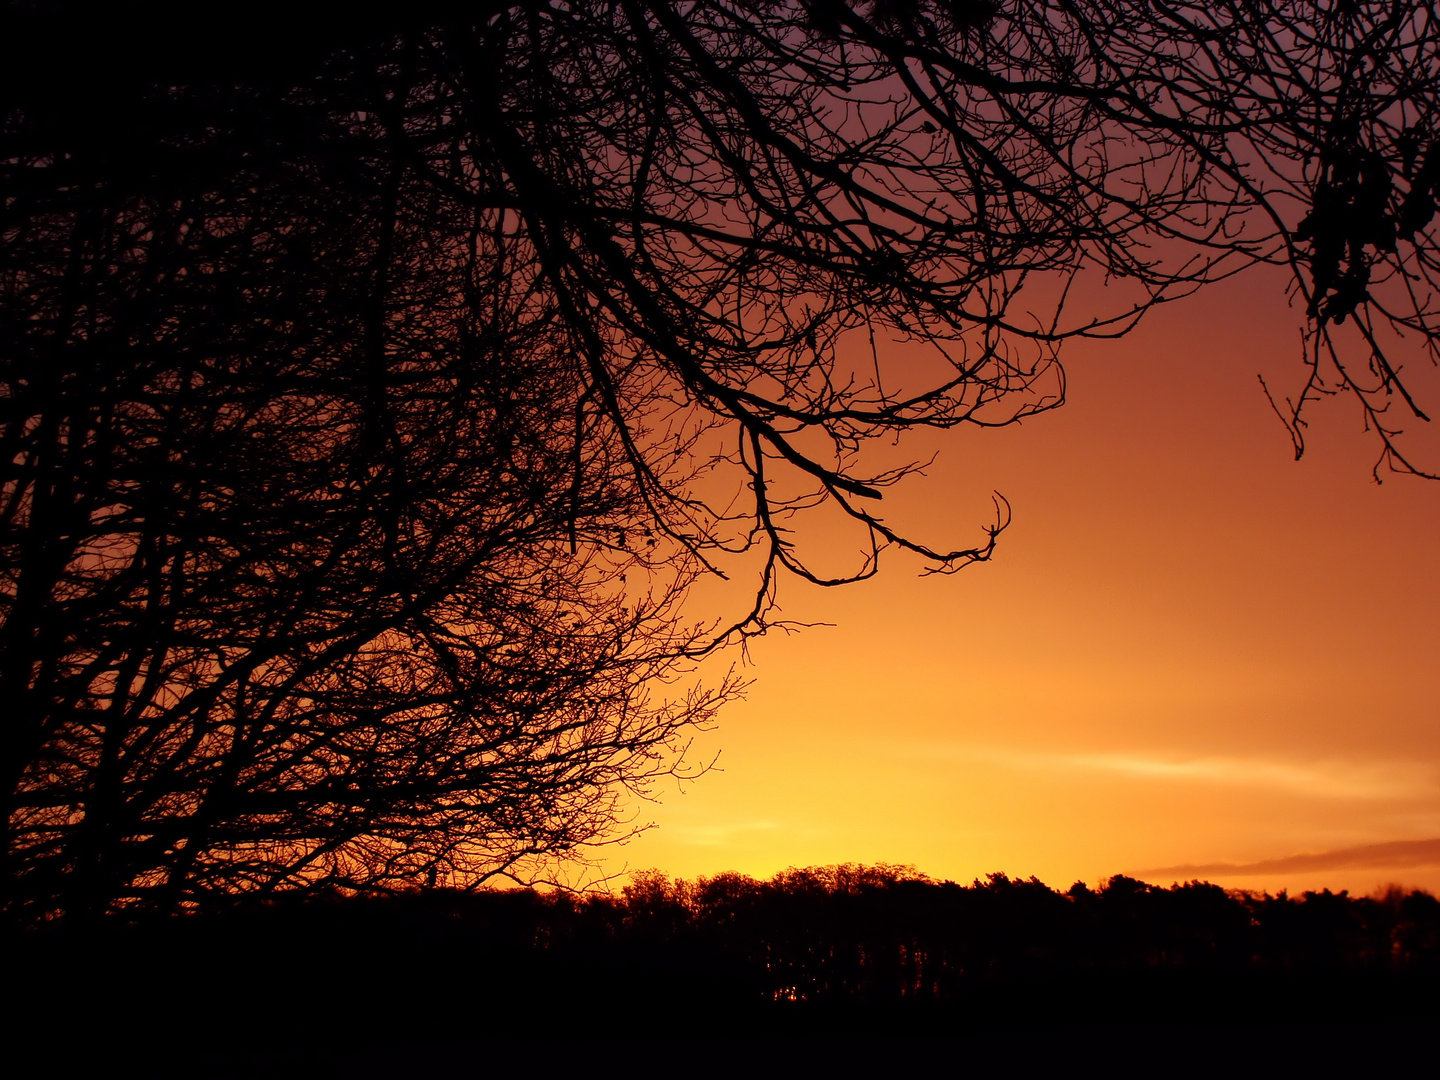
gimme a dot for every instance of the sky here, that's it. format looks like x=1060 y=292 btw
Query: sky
x=1192 y=655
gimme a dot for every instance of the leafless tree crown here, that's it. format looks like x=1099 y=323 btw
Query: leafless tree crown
x=374 y=390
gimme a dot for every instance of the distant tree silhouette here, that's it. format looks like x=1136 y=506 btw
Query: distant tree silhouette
x=886 y=934
x=375 y=385
x=839 y=950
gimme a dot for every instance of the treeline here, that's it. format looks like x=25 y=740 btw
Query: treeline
x=881 y=934
x=846 y=948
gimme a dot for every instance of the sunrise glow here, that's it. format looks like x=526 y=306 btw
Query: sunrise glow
x=1190 y=651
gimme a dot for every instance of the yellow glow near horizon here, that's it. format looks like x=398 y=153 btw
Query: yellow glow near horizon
x=1189 y=650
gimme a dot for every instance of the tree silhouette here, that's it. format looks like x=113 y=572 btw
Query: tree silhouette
x=832 y=951
x=317 y=560
x=376 y=386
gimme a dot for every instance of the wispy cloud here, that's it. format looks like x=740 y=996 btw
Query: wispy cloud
x=1317 y=779
x=1326 y=779
x=722 y=834
x=1397 y=855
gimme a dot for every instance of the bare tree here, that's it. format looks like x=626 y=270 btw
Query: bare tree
x=316 y=560
x=735 y=202
x=374 y=390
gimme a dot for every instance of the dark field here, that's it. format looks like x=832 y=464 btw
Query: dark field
x=852 y=963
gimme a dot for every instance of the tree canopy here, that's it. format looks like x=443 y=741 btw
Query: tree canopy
x=375 y=386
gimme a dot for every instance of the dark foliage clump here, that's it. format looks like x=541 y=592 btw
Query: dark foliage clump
x=841 y=949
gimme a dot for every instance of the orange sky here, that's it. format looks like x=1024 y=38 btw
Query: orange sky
x=1190 y=649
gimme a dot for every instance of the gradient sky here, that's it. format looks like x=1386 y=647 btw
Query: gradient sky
x=1190 y=649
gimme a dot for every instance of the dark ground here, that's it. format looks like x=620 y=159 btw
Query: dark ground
x=803 y=976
